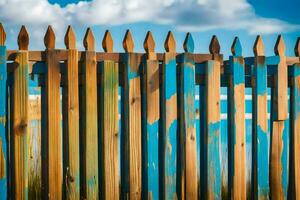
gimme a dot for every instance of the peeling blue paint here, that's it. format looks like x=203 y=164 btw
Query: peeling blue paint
x=260 y=154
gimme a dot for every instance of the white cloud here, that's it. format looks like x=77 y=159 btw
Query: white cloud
x=185 y=15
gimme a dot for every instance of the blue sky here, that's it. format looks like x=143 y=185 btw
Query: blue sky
x=203 y=18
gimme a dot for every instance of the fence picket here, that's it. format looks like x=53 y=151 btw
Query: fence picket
x=88 y=121
x=237 y=143
x=3 y=117
x=187 y=122
x=260 y=144
x=52 y=180
x=131 y=122
x=109 y=124
x=212 y=169
x=150 y=121
x=279 y=127
x=169 y=120
x=71 y=119
x=20 y=121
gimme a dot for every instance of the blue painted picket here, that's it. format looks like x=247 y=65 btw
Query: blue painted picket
x=187 y=122
x=169 y=123
x=3 y=130
x=260 y=151
x=236 y=122
x=150 y=122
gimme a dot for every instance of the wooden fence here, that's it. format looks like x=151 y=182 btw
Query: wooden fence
x=104 y=125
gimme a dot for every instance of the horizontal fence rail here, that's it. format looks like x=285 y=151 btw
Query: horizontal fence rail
x=105 y=125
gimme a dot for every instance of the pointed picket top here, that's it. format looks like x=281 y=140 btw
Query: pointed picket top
x=188 y=44
x=149 y=43
x=128 y=43
x=49 y=39
x=297 y=47
x=279 y=46
x=89 y=40
x=2 y=35
x=214 y=46
x=23 y=39
x=107 y=42
x=70 y=38
x=258 y=48
x=170 y=43
x=236 y=47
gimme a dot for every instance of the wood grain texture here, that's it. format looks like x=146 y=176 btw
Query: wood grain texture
x=131 y=128
x=260 y=160
x=212 y=168
x=3 y=117
x=281 y=83
x=71 y=126
x=20 y=126
x=169 y=121
x=150 y=122
x=89 y=128
x=52 y=180
x=237 y=155
x=109 y=130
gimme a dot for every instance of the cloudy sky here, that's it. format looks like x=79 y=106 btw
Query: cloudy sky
x=203 y=18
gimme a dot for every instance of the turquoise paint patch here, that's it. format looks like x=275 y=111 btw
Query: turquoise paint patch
x=153 y=172
x=261 y=79
x=170 y=71
x=171 y=161
x=214 y=165
x=262 y=163
x=189 y=43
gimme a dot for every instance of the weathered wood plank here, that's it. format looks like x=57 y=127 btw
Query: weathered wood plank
x=279 y=127
x=187 y=122
x=3 y=115
x=53 y=185
x=20 y=121
x=260 y=157
x=109 y=124
x=295 y=130
x=150 y=121
x=211 y=155
x=109 y=130
x=88 y=122
x=52 y=180
x=71 y=120
x=237 y=143
x=131 y=115
x=169 y=120
x=131 y=119
x=211 y=176
x=20 y=126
